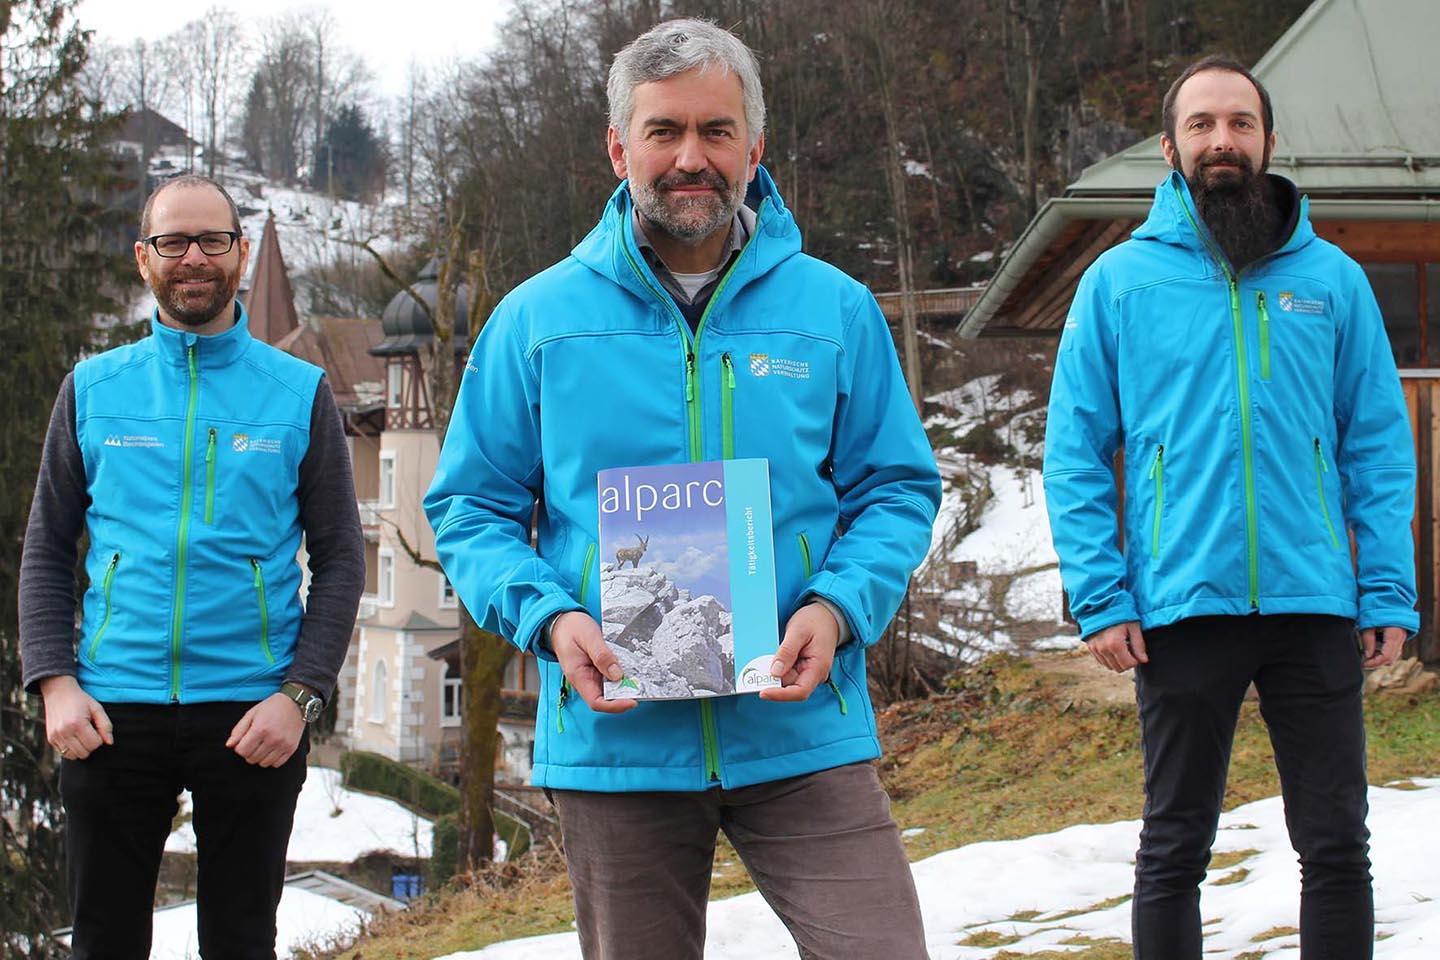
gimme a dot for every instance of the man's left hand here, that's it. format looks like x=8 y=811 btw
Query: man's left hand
x=803 y=661
x=269 y=732
x=1388 y=649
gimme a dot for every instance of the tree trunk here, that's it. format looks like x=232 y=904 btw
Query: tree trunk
x=483 y=656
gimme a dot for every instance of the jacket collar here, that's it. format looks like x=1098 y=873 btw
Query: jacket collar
x=1173 y=218
x=611 y=251
x=214 y=350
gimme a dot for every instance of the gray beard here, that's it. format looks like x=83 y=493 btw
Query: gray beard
x=1241 y=216
x=689 y=221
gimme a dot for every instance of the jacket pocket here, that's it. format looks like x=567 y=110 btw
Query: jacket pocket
x=1320 y=470
x=807 y=567
x=564 y=694
x=1157 y=476
x=105 y=586
x=727 y=407
x=264 y=612
x=210 y=478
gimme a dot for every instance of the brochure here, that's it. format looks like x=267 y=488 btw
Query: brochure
x=687 y=579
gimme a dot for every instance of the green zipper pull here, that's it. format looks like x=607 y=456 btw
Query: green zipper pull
x=689 y=377
x=844 y=709
x=1155 y=464
x=729 y=370
x=560 y=705
x=727 y=407
x=1320 y=457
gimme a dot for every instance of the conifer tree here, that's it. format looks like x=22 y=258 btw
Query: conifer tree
x=61 y=258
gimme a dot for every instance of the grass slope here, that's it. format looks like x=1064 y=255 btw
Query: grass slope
x=1005 y=753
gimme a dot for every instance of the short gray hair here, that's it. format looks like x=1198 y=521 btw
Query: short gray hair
x=675 y=47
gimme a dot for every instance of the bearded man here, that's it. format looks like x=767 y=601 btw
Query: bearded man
x=689 y=326
x=194 y=460
x=1241 y=365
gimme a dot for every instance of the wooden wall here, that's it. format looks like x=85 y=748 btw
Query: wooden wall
x=1422 y=397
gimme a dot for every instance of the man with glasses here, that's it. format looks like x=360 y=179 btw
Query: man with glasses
x=194 y=461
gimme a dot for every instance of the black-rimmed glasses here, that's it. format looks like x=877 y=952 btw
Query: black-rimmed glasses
x=173 y=245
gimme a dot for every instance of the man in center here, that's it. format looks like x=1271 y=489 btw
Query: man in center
x=688 y=326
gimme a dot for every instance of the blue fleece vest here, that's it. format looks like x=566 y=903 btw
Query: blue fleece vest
x=192 y=447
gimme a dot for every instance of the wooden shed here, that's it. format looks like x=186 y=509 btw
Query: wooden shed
x=1354 y=83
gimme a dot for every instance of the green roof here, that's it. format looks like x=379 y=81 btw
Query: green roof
x=1356 y=89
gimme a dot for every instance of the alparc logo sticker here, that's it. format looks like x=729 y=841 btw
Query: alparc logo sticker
x=764 y=365
x=1293 y=304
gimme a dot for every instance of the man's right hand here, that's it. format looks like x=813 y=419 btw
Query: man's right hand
x=1119 y=647
x=586 y=661
x=75 y=723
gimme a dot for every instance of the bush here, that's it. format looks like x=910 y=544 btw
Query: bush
x=444 y=851
x=429 y=797
x=419 y=791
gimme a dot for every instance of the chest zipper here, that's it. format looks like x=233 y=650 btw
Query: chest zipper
x=727 y=407
x=210 y=478
x=1264 y=321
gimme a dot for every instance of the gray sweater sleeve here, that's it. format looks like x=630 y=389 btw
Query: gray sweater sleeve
x=47 y=599
x=330 y=517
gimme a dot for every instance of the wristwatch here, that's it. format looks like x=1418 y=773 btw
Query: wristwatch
x=311 y=704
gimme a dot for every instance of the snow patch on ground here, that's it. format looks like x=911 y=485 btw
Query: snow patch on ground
x=303 y=920
x=363 y=825
x=1014 y=531
x=1067 y=876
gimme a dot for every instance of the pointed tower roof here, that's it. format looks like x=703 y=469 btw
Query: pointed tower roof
x=270 y=301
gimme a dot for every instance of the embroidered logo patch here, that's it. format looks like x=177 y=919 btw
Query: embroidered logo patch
x=244 y=443
x=764 y=365
x=1293 y=304
x=132 y=440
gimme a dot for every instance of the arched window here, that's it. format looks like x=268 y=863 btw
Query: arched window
x=379 y=686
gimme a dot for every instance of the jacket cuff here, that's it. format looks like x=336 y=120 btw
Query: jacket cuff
x=532 y=633
x=1120 y=610
x=824 y=587
x=845 y=632
x=1379 y=615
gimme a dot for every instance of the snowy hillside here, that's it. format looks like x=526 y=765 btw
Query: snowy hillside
x=991 y=560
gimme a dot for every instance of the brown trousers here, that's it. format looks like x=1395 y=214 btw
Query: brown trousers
x=822 y=848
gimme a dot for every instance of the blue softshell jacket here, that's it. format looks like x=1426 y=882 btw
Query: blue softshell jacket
x=591 y=365
x=1262 y=425
x=192 y=447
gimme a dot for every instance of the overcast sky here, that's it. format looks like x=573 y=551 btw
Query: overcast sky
x=387 y=35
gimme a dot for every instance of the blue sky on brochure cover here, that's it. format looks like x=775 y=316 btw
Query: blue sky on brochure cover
x=682 y=542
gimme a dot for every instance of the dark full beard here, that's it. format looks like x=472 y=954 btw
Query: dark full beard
x=688 y=221
x=192 y=311
x=1237 y=209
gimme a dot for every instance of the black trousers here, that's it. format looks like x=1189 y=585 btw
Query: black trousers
x=1308 y=674
x=119 y=803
